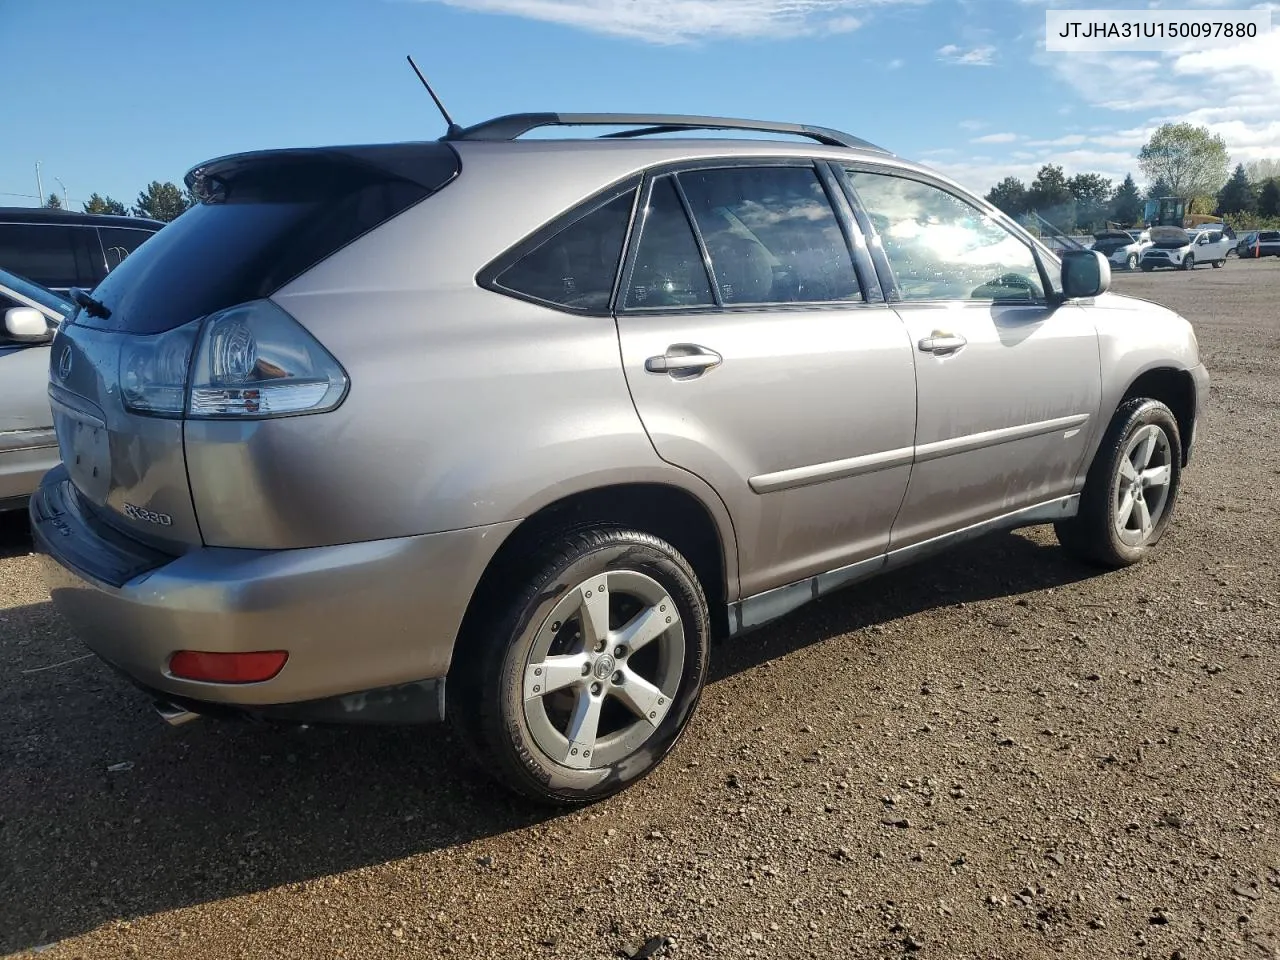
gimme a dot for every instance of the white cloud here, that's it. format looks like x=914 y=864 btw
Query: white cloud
x=895 y=64
x=684 y=21
x=973 y=57
x=996 y=138
x=1234 y=91
x=1124 y=97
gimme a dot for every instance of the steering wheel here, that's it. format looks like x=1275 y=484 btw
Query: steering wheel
x=990 y=290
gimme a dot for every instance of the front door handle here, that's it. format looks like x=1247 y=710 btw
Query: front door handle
x=684 y=360
x=940 y=344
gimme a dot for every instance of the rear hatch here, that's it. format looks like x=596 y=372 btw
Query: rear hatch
x=118 y=380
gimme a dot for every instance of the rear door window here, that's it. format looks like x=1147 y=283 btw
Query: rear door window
x=52 y=255
x=669 y=271
x=576 y=267
x=119 y=242
x=772 y=235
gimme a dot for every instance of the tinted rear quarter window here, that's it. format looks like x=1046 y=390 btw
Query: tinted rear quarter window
x=576 y=267
x=52 y=255
x=771 y=234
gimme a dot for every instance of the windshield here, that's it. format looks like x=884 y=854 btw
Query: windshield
x=45 y=297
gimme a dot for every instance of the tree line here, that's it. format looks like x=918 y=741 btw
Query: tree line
x=1180 y=160
x=159 y=201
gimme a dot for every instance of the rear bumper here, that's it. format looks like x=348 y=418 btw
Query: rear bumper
x=362 y=622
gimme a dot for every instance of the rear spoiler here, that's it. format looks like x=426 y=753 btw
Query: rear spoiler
x=429 y=164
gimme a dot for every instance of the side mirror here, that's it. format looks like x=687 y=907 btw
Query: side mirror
x=1085 y=273
x=26 y=325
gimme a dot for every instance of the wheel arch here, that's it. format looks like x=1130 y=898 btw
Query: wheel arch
x=699 y=530
x=1176 y=389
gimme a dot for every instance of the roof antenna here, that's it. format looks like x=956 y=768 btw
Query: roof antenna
x=453 y=129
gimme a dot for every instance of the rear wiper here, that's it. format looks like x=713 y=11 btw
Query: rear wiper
x=95 y=308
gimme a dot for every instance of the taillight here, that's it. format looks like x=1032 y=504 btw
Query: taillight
x=250 y=361
x=252 y=667
x=255 y=360
x=154 y=370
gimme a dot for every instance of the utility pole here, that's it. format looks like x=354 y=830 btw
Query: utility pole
x=65 y=205
x=39 y=184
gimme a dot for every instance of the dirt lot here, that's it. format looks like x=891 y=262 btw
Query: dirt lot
x=996 y=754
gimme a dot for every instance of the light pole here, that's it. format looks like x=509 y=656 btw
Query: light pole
x=64 y=193
x=39 y=185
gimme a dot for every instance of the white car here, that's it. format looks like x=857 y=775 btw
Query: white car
x=1176 y=248
x=1122 y=247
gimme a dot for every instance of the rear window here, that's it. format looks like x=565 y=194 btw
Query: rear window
x=52 y=255
x=119 y=242
x=272 y=219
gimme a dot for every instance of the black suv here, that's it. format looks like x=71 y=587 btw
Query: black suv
x=59 y=249
x=1265 y=243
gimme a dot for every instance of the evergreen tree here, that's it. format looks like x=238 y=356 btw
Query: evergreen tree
x=1126 y=203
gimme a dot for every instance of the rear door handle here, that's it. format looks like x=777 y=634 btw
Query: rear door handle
x=687 y=359
x=941 y=344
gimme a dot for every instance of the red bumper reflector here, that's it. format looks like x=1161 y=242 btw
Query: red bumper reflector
x=227 y=667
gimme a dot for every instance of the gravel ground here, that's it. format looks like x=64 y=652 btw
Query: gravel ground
x=998 y=753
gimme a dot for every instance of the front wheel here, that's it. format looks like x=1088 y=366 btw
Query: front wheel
x=1189 y=262
x=583 y=678
x=1147 y=268
x=1131 y=488
x=1132 y=262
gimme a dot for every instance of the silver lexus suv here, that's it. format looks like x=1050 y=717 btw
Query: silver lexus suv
x=505 y=430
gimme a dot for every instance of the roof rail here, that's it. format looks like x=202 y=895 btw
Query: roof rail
x=516 y=124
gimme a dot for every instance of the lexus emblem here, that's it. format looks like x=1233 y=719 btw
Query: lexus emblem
x=64 y=362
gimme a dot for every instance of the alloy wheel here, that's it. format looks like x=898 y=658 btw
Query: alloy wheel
x=603 y=669
x=1142 y=490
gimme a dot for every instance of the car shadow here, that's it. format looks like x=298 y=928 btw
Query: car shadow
x=15 y=534
x=106 y=813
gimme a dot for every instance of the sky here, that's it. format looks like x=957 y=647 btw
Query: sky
x=107 y=97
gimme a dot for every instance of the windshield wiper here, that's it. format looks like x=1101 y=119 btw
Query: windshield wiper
x=95 y=308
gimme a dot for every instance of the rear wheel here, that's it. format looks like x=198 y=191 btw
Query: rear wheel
x=583 y=679
x=1219 y=263
x=1147 y=268
x=1131 y=489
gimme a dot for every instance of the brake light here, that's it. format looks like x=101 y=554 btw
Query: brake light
x=227 y=667
x=250 y=361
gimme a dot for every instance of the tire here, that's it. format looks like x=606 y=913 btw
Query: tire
x=1132 y=262
x=520 y=734
x=1219 y=263
x=1147 y=268
x=1096 y=534
x=1189 y=262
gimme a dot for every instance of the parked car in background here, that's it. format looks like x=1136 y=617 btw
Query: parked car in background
x=59 y=249
x=1122 y=247
x=29 y=314
x=1183 y=250
x=1264 y=243
x=422 y=441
